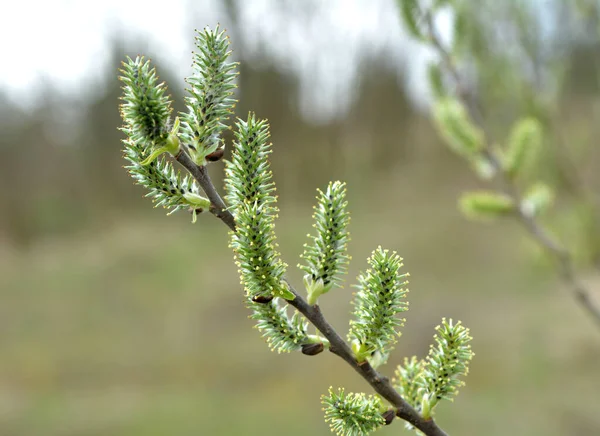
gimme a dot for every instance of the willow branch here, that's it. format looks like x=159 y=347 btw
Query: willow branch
x=564 y=258
x=217 y=206
x=338 y=346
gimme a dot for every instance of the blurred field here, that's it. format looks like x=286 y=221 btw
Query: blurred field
x=140 y=329
x=116 y=320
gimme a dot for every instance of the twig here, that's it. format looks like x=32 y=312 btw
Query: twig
x=338 y=346
x=566 y=266
x=218 y=207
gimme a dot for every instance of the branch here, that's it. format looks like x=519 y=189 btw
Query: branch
x=338 y=346
x=379 y=383
x=566 y=266
x=217 y=206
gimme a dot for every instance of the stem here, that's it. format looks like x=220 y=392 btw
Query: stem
x=567 y=270
x=379 y=383
x=217 y=206
x=313 y=313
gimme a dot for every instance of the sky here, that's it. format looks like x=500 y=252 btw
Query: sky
x=66 y=43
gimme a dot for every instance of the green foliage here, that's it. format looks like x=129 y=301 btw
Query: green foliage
x=537 y=199
x=379 y=299
x=525 y=139
x=145 y=112
x=282 y=333
x=326 y=257
x=250 y=193
x=411 y=16
x=455 y=126
x=486 y=205
x=436 y=80
x=210 y=103
x=448 y=360
x=352 y=414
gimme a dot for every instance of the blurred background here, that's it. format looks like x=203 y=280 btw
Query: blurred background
x=119 y=320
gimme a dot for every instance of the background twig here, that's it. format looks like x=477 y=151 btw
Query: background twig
x=567 y=270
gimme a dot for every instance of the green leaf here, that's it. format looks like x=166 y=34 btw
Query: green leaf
x=210 y=102
x=352 y=414
x=379 y=299
x=455 y=126
x=462 y=29
x=282 y=333
x=537 y=199
x=411 y=17
x=525 y=139
x=327 y=256
x=436 y=80
x=486 y=205
x=448 y=360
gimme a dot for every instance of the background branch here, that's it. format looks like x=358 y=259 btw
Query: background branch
x=564 y=258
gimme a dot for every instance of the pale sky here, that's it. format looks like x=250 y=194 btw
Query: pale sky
x=65 y=43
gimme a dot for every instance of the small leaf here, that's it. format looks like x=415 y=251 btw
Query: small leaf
x=537 y=199
x=455 y=126
x=352 y=414
x=411 y=17
x=486 y=205
x=436 y=80
x=525 y=139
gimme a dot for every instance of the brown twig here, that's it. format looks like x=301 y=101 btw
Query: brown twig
x=566 y=266
x=217 y=206
x=338 y=346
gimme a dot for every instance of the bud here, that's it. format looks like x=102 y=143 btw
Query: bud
x=525 y=139
x=262 y=299
x=486 y=204
x=312 y=349
x=216 y=155
x=455 y=126
x=389 y=416
x=537 y=199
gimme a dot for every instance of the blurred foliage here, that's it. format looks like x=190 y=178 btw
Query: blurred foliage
x=100 y=336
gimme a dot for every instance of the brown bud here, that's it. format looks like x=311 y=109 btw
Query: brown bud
x=215 y=155
x=312 y=349
x=389 y=416
x=262 y=299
